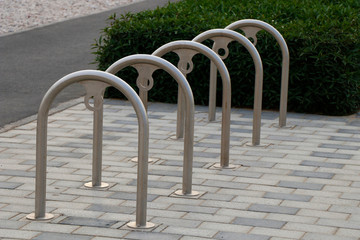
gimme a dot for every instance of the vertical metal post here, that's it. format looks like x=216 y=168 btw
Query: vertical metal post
x=212 y=92
x=41 y=141
x=182 y=48
x=189 y=106
x=222 y=37
x=96 y=90
x=250 y=28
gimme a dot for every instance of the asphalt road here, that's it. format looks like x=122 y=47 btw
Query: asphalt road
x=32 y=61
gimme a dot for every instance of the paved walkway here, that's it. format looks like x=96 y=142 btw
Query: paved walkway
x=304 y=185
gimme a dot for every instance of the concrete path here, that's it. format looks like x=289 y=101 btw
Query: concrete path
x=305 y=184
x=31 y=61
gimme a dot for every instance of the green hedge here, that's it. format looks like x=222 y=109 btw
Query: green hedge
x=323 y=39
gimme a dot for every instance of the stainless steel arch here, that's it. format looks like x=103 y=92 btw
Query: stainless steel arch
x=189 y=105
x=229 y=35
x=177 y=46
x=41 y=141
x=250 y=28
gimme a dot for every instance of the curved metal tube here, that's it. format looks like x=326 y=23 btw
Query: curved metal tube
x=246 y=23
x=258 y=74
x=41 y=138
x=189 y=105
x=226 y=101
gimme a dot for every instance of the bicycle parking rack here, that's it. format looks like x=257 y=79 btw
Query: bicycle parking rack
x=146 y=65
x=251 y=27
x=94 y=82
x=186 y=50
x=221 y=38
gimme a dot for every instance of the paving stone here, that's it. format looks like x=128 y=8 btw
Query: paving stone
x=49 y=163
x=319 y=236
x=111 y=208
x=9 y=185
x=131 y=196
x=216 y=183
x=332 y=155
x=61 y=236
x=237 y=236
x=273 y=209
x=338 y=146
x=66 y=154
x=154 y=184
x=285 y=196
x=197 y=209
x=345 y=139
x=87 y=222
x=286 y=138
x=152 y=236
x=313 y=174
x=103 y=232
x=17 y=173
x=310 y=186
x=259 y=222
x=17 y=234
x=321 y=164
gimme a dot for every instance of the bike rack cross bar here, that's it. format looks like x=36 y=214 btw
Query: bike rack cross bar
x=251 y=27
x=151 y=62
x=186 y=50
x=222 y=37
x=41 y=141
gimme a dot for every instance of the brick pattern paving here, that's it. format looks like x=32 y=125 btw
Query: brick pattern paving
x=305 y=184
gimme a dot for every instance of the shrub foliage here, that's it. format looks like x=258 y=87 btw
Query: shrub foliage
x=323 y=39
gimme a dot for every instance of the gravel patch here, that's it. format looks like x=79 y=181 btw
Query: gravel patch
x=20 y=15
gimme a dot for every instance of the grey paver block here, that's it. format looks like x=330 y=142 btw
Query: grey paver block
x=18 y=173
x=331 y=155
x=285 y=196
x=259 y=222
x=206 y=154
x=195 y=209
x=301 y=185
x=220 y=197
x=165 y=173
x=273 y=209
x=309 y=174
x=152 y=236
x=238 y=236
x=111 y=208
x=131 y=196
x=155 y=184
x=61 y=236
x=286 y=138
x=49 y=163
x=66 y=154
x=9 y=185
x=318 y=236
x=345 y=139
x=81 y=221
x=338 y=146
x=321 y=164
x=351 y=131
x=217 y=183
x=180 y=164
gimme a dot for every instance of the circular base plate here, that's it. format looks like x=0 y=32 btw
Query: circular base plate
x=47 y=216
x=181 y=193
x=218 y=166
x=90 y=185
x=150 y=160
x=148 y=225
